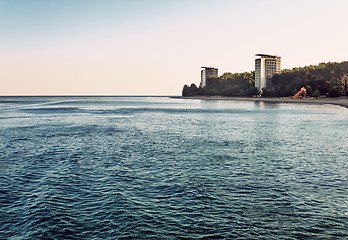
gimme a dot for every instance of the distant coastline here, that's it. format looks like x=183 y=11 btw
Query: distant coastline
x=341 y=101
x=329 y=79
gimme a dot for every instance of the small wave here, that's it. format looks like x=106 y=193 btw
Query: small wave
x=125 y=111
x=52 y=110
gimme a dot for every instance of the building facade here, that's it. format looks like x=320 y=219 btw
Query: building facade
x=207 y=72
x=265 y=67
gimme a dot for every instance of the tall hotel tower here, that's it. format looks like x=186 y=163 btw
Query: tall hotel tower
x=207 y=72
x=265 y=67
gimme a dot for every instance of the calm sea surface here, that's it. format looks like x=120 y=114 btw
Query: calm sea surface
x=162 y=168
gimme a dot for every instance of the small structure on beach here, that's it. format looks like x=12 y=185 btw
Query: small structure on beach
x=301 y=94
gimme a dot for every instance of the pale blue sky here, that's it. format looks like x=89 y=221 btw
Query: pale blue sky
x=154 y=47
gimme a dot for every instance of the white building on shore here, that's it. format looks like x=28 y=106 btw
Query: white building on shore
x=207 y=72
x=265 y=67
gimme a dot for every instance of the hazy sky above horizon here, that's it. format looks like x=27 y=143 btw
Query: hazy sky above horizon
x=154 y=47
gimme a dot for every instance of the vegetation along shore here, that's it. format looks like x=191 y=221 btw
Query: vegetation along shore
x=325 y=79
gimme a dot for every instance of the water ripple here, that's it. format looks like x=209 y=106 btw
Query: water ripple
x=173 y=170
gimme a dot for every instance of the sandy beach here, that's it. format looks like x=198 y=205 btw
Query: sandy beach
x=341 y=101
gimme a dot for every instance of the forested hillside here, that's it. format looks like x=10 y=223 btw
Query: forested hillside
x=325 y=79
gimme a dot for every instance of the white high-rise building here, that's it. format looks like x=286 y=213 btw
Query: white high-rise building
x=207 y=72
x=265 y=67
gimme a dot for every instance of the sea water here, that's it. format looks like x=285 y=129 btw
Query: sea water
x=163 y=168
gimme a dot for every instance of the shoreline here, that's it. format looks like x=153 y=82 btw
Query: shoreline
x=340 y=101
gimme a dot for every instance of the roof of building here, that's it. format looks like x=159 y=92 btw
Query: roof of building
x=209 y=67
x=265 y=55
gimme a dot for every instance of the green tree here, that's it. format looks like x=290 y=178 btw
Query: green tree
x=309 y=90
x=185 y=91
x=272 y=93
x=194 y=89
x=265 y=92
x=316 y=93
x=189 y=91
x=334 y=91
x=251 y=91
x=242 y=93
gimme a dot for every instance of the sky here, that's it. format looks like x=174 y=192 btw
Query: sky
x=154 y=47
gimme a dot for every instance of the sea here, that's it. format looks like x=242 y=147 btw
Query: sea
x=168 y=168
